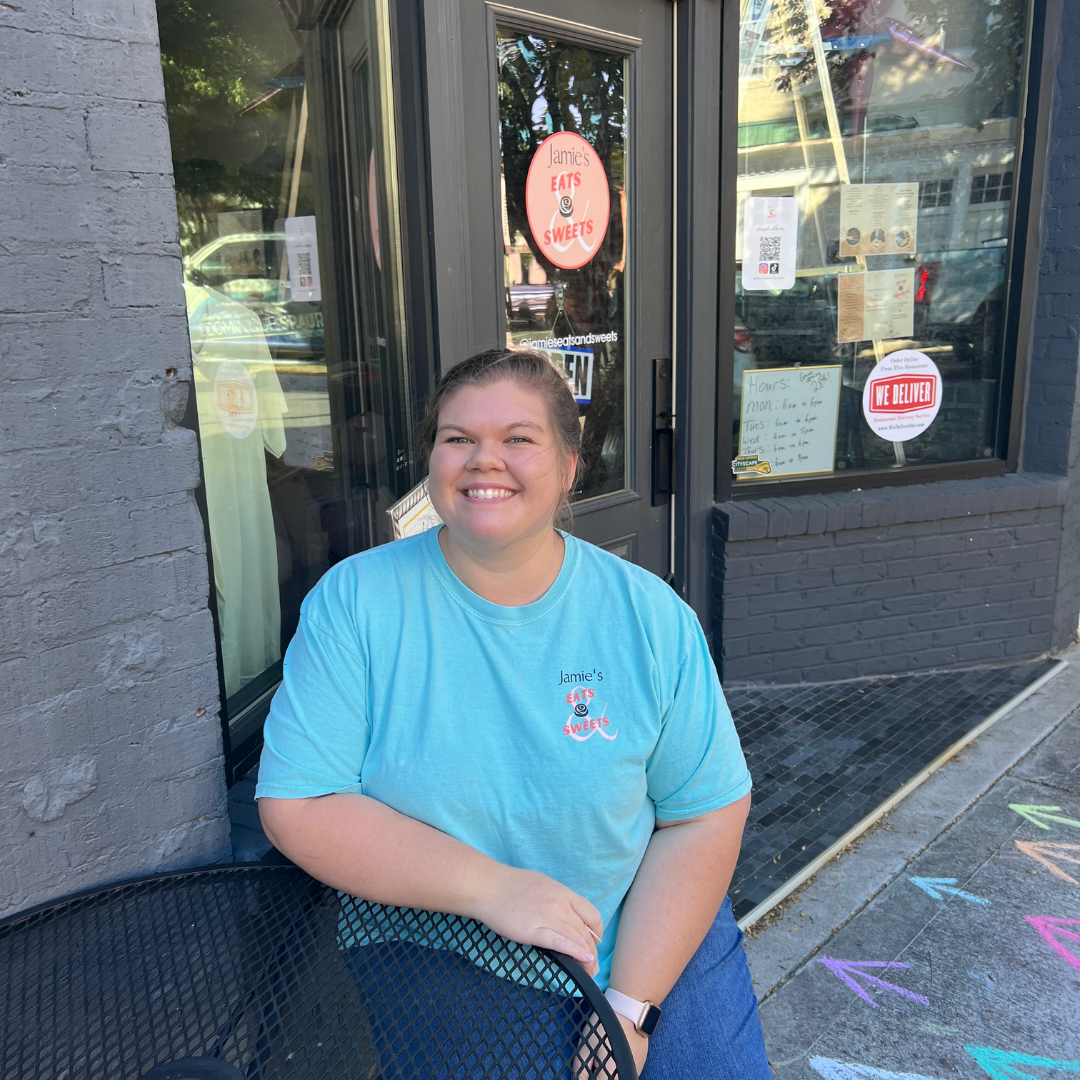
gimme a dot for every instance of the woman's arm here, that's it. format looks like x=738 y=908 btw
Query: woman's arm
x=365 y=848
x=675 y=896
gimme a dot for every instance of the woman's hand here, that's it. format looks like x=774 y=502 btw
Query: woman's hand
x=587 y=1066
x=533 y=909
x=356 y=844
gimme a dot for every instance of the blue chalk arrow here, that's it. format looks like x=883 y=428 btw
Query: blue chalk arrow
x=846 y=1070
x=1003 y=1064
x=935 y=886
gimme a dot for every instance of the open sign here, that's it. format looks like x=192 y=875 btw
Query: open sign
x=578 y=366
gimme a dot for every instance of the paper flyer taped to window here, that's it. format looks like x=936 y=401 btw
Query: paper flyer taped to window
x=878 y=219
x=770 y=242
x=302 y=250
x=876 y=306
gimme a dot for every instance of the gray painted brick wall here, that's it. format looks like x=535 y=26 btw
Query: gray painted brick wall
x=877 y=582
x=1051 y=436
x=110 y=746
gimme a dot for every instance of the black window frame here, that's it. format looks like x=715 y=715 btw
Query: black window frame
x=1025 y=211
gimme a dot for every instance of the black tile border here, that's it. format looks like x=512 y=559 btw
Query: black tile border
x=890 y=730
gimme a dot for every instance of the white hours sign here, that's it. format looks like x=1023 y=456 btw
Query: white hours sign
x=788 y=421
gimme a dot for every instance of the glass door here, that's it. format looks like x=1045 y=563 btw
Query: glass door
x=284 y=158
x=572 y=182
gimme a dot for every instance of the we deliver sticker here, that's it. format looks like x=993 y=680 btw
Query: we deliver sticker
x=902 y=395
x=567 y=199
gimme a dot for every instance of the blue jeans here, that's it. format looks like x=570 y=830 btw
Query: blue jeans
x=709 y=1029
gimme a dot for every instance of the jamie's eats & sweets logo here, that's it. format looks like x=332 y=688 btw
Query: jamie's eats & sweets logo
x=585 y=719
x=567 y=199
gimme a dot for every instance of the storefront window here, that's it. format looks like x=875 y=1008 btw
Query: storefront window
x=294 y=308
x=877 y=141
x=562 y=128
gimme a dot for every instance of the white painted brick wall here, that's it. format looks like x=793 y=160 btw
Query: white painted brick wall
x=110 y=747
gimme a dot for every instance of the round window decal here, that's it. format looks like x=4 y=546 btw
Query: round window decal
x=902 y=395
x=567 y=200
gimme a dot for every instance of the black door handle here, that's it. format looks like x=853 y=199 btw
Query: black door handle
x=663 y=441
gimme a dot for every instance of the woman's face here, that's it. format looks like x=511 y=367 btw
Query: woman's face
x=497 y=472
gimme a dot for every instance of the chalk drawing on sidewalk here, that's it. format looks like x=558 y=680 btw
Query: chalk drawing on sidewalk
x=845 y=1070
x=935 y=886
x=848 y=970
x=1053 y=931
x=1006 y=1065
x=1040 y=815
x=1046 y=853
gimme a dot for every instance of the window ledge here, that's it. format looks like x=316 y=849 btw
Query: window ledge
x=802 y=515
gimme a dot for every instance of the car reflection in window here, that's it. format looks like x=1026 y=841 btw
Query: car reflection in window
x=958 y=297
x=251 y=268
x=791 y=326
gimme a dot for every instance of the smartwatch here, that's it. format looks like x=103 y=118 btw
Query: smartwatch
x=644 y=1015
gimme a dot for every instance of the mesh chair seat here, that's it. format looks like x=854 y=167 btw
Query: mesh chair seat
x=265 y=970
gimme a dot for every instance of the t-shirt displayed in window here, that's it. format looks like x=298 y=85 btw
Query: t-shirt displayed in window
x=549 y=736
x=240 y=407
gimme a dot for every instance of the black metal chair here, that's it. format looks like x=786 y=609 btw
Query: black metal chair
x=260 y=971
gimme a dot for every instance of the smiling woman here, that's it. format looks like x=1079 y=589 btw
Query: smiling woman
x=477 y=823
x=503 y=453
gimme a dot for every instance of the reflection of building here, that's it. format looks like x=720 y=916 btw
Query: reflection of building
x=957 y=207
x=963 y=553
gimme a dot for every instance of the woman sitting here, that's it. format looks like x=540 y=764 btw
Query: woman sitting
x=496 y=720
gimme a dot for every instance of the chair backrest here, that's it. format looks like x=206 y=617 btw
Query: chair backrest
x=265 y=969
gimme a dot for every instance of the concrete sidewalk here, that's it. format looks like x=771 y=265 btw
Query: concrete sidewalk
x=947 y=941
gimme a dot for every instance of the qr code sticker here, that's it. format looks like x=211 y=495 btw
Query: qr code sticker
x=303 y=266
x=769 y=252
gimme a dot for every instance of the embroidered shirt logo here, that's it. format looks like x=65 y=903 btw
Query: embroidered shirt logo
x=586 y=720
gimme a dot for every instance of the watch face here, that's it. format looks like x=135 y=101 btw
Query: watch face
x=649 y=1020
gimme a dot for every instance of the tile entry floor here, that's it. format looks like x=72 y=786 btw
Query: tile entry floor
x=824 y=756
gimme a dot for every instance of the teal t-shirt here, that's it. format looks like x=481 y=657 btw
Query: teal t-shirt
x=548 y=737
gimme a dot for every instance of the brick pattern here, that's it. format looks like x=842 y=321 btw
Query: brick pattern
x=824 y=756
x=1051 y=441
x=110 y=746
x=872 y=583
x=1052 y=379
x=751 y=520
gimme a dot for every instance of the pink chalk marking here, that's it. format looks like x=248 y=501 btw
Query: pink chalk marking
x=845 y=969
x=1052 y=929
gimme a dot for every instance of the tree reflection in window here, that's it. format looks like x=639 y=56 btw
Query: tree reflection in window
x=547 y=85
